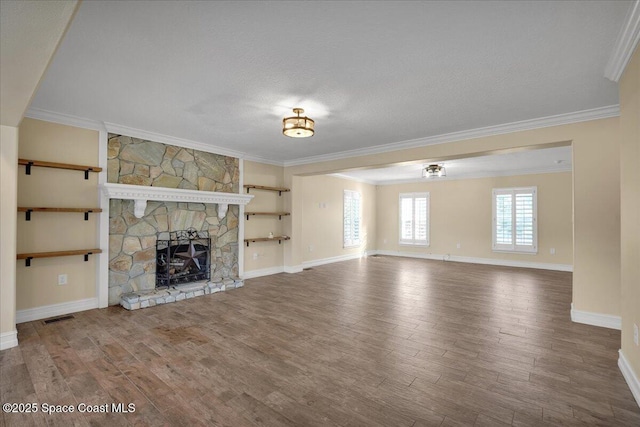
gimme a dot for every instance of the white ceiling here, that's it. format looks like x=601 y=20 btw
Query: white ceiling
x=369 y=73
x=547 y=160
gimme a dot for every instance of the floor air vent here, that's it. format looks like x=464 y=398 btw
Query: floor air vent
x=58 y=319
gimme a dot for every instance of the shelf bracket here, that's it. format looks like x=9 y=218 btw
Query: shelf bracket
x=279 y=193
x=86 y=256
x=28 y=168
x=27 y=214
x=86 y=173
x=86 y=215
x=247 y=217
x=27 y=262
x=279 y=241
x=247 y=243
x=280 y=217
x=248 y=190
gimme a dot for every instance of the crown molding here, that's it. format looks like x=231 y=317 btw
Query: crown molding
x=543 y=122
x=531 y=171
x=171 y=140
x=81 y=122
x=258 y=159
x=557 y=120
x=64 y=119
x=625 y=44
x=350 y=178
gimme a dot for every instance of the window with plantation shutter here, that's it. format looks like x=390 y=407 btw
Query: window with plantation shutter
x=515 y=227
x=414 y=219
x=351 y=218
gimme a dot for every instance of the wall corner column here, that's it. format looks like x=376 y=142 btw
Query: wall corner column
x=8 y=227
x=293 y=228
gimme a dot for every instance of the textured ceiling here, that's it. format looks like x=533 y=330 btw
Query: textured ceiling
x=545 y=160
x=369 y=73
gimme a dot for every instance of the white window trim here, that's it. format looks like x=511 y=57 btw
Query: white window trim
x=348 y=243
x=513 y=248
x=413 y=242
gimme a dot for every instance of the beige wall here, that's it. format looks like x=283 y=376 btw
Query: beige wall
x=269 y=255
x=596 y=278
x=322 y=215
x=630 y=207
x=596 y=208
x=8 y=208
x=461 y=212
x=37 y=285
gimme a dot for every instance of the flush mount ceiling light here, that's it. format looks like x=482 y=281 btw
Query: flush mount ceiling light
x=298 y=126
x=434 y=171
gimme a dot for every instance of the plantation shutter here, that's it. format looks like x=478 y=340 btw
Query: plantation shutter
x=514 y=219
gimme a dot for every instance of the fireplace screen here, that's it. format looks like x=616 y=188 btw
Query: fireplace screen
x=182 y=258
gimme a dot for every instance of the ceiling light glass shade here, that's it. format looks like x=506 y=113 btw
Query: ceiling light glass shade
x=298 y=126
x=433 y=171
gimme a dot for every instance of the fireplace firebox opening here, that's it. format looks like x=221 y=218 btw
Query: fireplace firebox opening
x=182 y=257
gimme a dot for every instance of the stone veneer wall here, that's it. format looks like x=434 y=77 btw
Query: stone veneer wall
x=132 y=241
x=141 y=162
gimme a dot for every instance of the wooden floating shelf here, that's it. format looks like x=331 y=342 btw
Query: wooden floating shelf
x=29 y=163
x=266 y=239
x=279 y=190
x=29 y=256
x=86 y=211
x=278 y=214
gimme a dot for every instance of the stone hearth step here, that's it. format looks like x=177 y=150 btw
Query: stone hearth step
x=143 y=299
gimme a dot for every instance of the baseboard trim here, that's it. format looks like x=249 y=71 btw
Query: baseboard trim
x=487 y=261
x=292 y=268
x=630 y=376
x=252 y=274
x=596 y=319
x=46 y=311
x=8 y=340
x=473 y=260
x=331 y=260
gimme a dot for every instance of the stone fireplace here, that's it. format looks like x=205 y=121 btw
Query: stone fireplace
x=174 y=236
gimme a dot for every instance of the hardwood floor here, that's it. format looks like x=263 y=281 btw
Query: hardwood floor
x=379 y=341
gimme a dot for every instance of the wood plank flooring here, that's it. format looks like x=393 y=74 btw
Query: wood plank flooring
x=381 y=341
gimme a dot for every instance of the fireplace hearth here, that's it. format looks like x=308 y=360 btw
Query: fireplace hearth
x=182 y=257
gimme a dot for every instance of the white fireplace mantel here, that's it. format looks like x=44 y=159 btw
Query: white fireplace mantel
x=140 y=194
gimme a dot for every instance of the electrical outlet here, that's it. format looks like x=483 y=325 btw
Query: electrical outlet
x=458 y=246
x=62 y=279
x=255 y=255
x=635 y=333
x=552 y=251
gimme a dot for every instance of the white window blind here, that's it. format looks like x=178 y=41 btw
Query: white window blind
x=414 y=218
x=351 y=218
x=515 y=225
